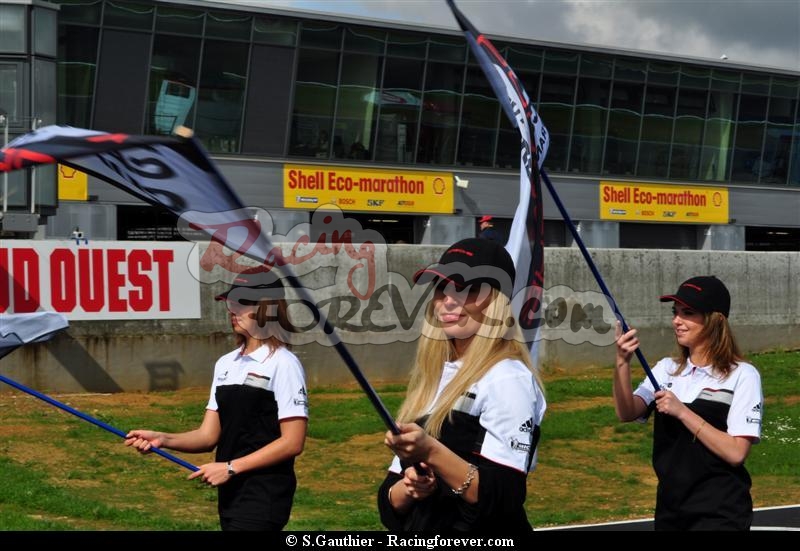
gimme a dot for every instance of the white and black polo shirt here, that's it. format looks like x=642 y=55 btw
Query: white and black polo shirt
x=740 y=391
x=280 y=373
x=506 y=406
x=697 y=489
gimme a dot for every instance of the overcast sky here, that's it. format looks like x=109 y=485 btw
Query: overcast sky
x=753 y=32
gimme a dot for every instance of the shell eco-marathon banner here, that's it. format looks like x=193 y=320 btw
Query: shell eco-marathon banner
x=672 y=203
x=367 y=189
x=104 y=280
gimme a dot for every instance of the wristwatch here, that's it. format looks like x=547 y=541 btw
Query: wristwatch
x=231 y=472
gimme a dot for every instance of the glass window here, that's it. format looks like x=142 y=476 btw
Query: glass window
x=631 y=70
x=695 y=77
x=662 y=73
x=80 y=11
x=523 y=58
x=222 y=83
x=794 y=163
x=440 y=108
x=228 y=25
x=748 y=163
x=129 y=15
x=357 y=109
x=120 y=99
x=595 y=66
x=400 y=102
x=44 y=34
x=623 y=128
x=556 y=106
x=44 y=91
x=77 y=66
x=725 y=81
x=321 y=34
x=46 y=186
x=13 y=25
x=179 y=20
x=280 y=32
x=173 y=83
x=659 y=110
x=718 y=137
x=18 y=188
x=784 y=88
x=314 y=102
x=407 y=44
x=755 y=84
x=778 y=141
x=688 y=139
x=564 y=63
x=11 y=93
x=363 y=39
x=445 y=48
x=589 y=128
x=479 y=112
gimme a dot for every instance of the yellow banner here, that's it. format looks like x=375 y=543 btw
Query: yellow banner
x=663 y=203
x=366 y=189
x=73 y=185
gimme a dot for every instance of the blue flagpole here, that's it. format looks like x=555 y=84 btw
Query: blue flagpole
x=595 y=272
x=92 y=420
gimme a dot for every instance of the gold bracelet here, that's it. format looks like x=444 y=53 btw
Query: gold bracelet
x=703 y=424
x=468 y=481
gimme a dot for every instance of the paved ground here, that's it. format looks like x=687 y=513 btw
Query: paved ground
x=786 y=518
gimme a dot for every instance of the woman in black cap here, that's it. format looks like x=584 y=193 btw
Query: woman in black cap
x=257 y=413
x=470 y=421
x=708 y=413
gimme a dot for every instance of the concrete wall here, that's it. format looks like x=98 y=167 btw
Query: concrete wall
x=577 y=326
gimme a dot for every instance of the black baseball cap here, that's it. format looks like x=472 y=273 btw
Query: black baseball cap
x=703 y=293
x=472 y=261
x=253 y=285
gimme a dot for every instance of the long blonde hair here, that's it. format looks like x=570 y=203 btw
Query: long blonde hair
x=495 y=341
x=722 y=347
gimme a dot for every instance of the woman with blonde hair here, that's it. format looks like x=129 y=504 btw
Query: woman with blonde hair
x=470 y=421
x=708 y=416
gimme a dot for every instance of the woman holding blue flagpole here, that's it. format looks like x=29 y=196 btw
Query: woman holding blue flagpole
x=469 y=425
x=708 y=413
x=257 y=413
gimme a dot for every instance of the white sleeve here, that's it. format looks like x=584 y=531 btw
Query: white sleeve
x=212 y=399
x=508 y=415
x=744 y=416
x=395 y=467
x=645 y=389
x=290 y=387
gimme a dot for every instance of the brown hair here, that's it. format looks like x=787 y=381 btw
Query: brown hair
x=721 y=345
x=275 y=330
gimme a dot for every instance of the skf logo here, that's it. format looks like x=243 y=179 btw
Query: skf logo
x=668 y=214
x=375 y=202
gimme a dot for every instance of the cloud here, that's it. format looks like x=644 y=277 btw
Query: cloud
x=755 y=32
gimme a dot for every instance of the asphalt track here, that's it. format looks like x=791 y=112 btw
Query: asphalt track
x=784 y=518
